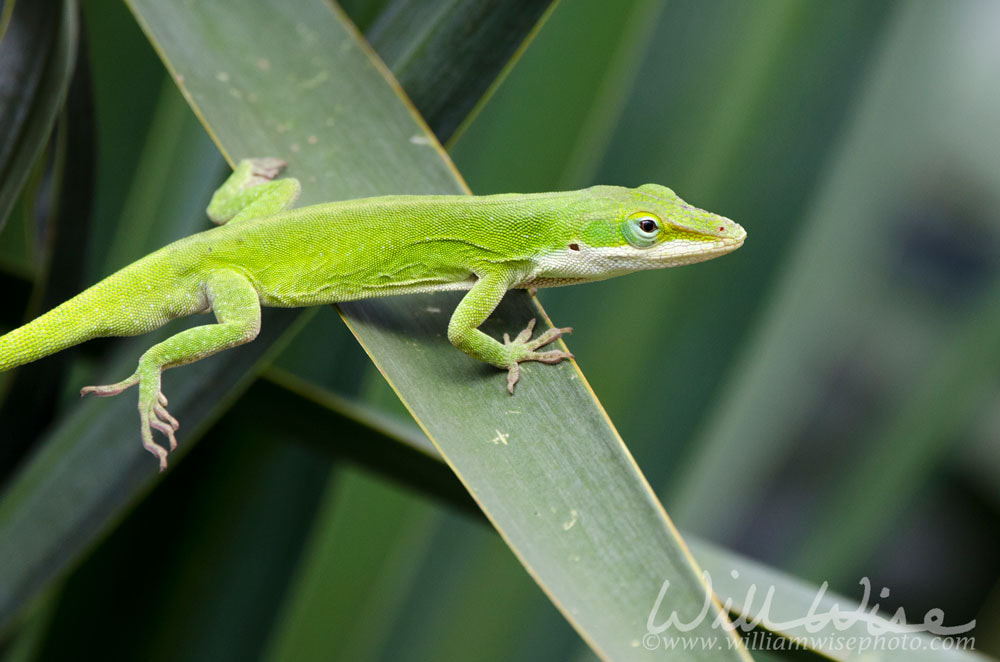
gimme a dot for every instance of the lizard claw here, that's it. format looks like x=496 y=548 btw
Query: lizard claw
x=169 y=432
x=162 y=413
x=513 y=374
x=264 y=170
x=522 y=337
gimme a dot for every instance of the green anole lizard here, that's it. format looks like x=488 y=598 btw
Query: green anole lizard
x=268 y=254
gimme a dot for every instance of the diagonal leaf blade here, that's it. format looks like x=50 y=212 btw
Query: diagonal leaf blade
x=547 y=467
x=765 y=600
x=448 y=56
x=37 y=55
x=536 y=487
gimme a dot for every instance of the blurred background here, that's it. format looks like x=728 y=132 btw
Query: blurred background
x=824 y=400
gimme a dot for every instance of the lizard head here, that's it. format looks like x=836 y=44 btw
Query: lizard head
x=651 y=226
x=616 y=230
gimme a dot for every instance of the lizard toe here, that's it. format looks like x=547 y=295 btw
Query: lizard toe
x=555 y=356
x=513 y=374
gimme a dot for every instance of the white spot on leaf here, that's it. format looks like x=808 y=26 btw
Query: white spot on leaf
x=571 y=522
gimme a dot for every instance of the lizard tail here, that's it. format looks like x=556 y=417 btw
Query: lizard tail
x=65 y=325
x=100 y=311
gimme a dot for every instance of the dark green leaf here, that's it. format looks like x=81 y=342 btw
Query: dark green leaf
x=36 y=62
x=448 y=55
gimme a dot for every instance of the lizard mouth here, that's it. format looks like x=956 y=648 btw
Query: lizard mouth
x=738 y=239
x=729 y=243
x=706 y=251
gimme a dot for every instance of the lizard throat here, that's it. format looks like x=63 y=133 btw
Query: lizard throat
x=592 y=263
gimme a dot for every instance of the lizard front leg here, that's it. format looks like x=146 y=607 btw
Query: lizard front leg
x=250 y=192
x=237 y=309
x=479 y=304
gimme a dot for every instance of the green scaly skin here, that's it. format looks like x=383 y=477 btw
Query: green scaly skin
x=267 y=254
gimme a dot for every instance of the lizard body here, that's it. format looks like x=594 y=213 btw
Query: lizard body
x=267 y=254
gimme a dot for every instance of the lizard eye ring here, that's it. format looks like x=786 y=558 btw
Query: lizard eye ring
x=641 y=229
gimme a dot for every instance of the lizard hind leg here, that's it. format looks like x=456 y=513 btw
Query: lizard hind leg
x=236 y=305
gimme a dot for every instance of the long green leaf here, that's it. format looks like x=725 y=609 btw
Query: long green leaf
x=448 y=55
x=809 y=617
x=89 y=469
x=804 y=615
x=395 y=534
x=297 y=410
x=36 y=57
x=573 y=504
x=28 y=398
x=569 y=501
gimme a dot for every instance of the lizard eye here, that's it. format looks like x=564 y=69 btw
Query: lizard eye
x=642 y=229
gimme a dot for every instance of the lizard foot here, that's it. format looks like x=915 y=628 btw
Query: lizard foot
x=152 y=412
x=522 y=348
